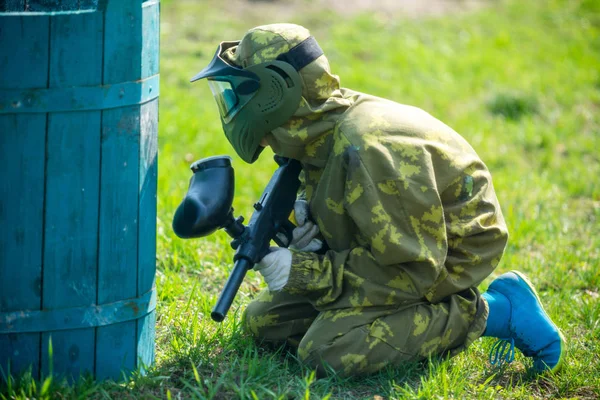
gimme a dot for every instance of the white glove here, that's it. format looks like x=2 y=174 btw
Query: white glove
x=304 y=235
x=301 y=211
x=275 y=267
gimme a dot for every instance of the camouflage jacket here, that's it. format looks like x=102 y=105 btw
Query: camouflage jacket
x=405 y=204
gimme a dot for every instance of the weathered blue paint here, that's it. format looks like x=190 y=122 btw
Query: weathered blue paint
x=49 y=6
x=60 y=5
x=78 y=140
x=148 y=180
x=22 y=149
x=71 y=220
x=118 y=210
x=12 y=5
x=69 y=318
x=22 y=171
x=73 y=160
x=147 y=217
x=78 y=98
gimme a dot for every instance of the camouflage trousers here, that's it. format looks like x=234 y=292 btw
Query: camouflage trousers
x=364 y=340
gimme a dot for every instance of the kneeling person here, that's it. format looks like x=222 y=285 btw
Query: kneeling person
x=404 y=204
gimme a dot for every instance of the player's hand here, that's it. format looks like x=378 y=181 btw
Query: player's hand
x=275 y=267
x=304 y=235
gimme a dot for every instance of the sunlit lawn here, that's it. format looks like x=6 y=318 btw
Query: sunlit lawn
x=519 y=80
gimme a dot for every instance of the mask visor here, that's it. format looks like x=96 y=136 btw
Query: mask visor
x=228 y=101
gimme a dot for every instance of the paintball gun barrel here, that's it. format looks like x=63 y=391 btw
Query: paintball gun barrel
x=207 y=207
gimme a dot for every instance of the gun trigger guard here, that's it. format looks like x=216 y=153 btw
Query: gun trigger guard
x=287 y=229
x=279 y=242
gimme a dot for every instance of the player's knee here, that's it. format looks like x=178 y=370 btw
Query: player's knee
x=256 y=319
x=318 y=358
x=326 y=359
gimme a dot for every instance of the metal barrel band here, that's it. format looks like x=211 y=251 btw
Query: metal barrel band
x=78 y=317
x=79 y=98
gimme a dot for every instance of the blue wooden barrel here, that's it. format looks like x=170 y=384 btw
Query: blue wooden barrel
x=78 y=146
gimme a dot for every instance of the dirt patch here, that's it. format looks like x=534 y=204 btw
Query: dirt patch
x=387 y=8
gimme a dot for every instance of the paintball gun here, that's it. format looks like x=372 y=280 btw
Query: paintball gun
x=207 y=207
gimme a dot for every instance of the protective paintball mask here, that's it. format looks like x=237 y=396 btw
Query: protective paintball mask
x=255 y=100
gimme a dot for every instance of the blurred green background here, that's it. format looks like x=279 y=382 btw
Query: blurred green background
x=520 y=80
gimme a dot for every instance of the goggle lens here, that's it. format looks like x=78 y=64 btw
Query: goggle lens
x=227 y=100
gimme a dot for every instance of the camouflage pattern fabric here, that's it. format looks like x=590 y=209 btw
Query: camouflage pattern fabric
x=409 y=213
x=322 y=100
x=354 y=343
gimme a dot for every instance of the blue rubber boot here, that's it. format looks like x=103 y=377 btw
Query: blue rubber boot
x=518 y=319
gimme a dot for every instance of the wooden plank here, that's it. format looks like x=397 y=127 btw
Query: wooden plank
x=117 y=269
x=71 y=230
x=146 y=328
x=52 y=5
x=147 y=224
x=23 y=42
x=123 y=41
x=55 y=5
x=20 y=349
x=147 y=196
x=12 y=5
x=72 y=191
x=148 y=182
x=150 y=39
x=22 y=147
x=15 y=32
x=70 y=358
x=117 y=265
x=76 y=46
x=88 y=4
x=115 y=350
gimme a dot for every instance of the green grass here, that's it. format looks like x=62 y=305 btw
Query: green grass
x=520 y=80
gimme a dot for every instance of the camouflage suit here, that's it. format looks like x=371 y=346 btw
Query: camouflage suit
x=410 y=216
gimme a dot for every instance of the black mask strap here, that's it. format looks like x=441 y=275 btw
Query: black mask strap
x=302 y=54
